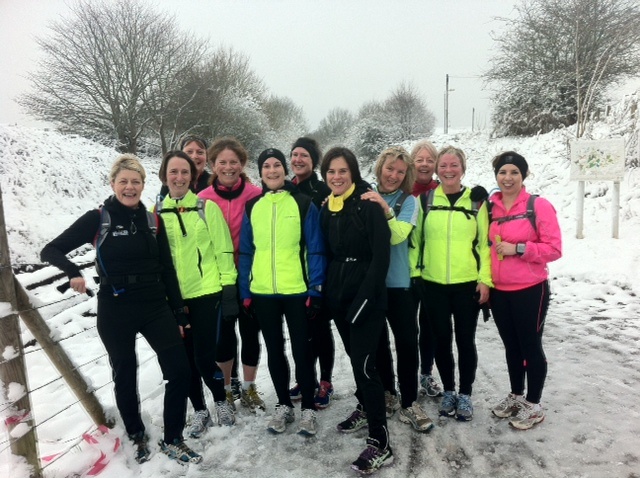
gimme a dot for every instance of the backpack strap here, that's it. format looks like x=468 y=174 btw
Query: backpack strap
x=397 y=207
x=530 y=214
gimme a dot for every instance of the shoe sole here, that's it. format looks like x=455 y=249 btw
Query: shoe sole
x=387 y=462
x=504 y=415
x=445 y=413
x=352 y=430
x=462 y=418
x=306 y=433
x=535 y=422
x=408 y=421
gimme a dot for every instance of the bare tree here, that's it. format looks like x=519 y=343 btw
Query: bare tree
x=556 y=59
x=286 y=121
x=409 y=112
x=109 y=70
x=334 y=128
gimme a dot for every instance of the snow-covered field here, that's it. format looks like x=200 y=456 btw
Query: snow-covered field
x=592 y=341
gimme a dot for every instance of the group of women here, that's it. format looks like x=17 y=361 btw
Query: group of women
x=407 y=251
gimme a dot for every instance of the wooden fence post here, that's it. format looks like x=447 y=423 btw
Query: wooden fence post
x=13 y=370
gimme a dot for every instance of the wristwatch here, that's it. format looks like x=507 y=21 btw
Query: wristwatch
x=520 y=247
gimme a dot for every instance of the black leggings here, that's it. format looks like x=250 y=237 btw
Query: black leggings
x=250 y=342
x=402 y=320
x=361 y=345
x=270 y=311
x=323 y=346
x=443 y=301
x=118 y=323
x=196 y=391
x=205 y=323
x=426 y=341
x=520 y=317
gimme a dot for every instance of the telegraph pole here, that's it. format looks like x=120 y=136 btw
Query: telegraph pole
x=446 y=105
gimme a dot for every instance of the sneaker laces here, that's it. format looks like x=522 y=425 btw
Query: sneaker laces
x=282 y=411
x=200 y=418
x=308 y=415
x=372 y=451
x=418 y=412
x=464 y=402
x=224 y=410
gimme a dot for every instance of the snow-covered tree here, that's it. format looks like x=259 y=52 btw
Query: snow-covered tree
x=556 y=58
x=108 y=71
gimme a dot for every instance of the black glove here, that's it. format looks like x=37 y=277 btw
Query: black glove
x=229 y=302
x=417 y=288
x=478 y=193
x=181 y=316
x=314 y=306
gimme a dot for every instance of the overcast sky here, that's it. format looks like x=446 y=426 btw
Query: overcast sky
x=321 y=54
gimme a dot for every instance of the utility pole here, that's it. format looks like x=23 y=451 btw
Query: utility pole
x=446 y=105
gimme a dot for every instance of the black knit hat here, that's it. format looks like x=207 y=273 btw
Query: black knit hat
x=311 y=146
x=272 y=153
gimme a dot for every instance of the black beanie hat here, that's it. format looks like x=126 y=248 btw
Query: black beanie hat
x=272 y=153
x=512 y=158
x=312 y=148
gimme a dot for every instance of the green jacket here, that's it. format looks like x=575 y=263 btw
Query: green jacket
x=271 y=260
x=202 y=250
x=451 y=247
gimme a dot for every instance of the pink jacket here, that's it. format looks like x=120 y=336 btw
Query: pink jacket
x=232 y=202
x=521 y=271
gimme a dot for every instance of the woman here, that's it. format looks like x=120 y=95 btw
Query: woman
x=138 y=292
x=202 y=253
x=196 y=149
x=230 y=189
x=453 y=260
x=305 y=156
x=395 y=175
x=358 y=244
x=523 y=243
x=282 y=267
x=424 y=155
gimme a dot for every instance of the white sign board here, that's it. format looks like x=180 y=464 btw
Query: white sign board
x=597 y=160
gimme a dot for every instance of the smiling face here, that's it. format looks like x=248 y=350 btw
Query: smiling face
x=450 y=172
x=339 y=176
x=425 y=165
x=178 y=177
x=509 y=180
x=127 y=187
x=301 y=163
x=392 y=174
x=273 y=174
x=197 y=153
x=227 y=167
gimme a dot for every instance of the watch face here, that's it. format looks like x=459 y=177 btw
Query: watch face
x=520 y=248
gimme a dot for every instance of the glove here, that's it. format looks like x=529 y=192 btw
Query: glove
x=248 y=308
x=181 y=316
x=314 y=306
x=478 y=193
x=229 y=302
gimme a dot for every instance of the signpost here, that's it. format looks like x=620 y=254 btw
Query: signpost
x=598 y=160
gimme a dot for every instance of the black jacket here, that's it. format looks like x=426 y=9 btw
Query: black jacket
x=358 y=242
x=315 y=189
x=129 y=249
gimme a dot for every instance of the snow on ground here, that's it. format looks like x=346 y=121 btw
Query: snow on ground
x=592 y=339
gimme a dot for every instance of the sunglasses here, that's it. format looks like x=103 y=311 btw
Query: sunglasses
x=189 y=139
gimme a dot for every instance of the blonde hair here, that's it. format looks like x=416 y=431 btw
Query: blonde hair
x=394 y=153
x=457 y=152
x=424 y=144
x=128 y=162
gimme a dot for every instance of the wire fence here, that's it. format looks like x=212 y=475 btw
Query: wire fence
x=7 y=406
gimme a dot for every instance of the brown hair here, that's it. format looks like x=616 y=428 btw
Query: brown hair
x=219 y=145
x=162 y=173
